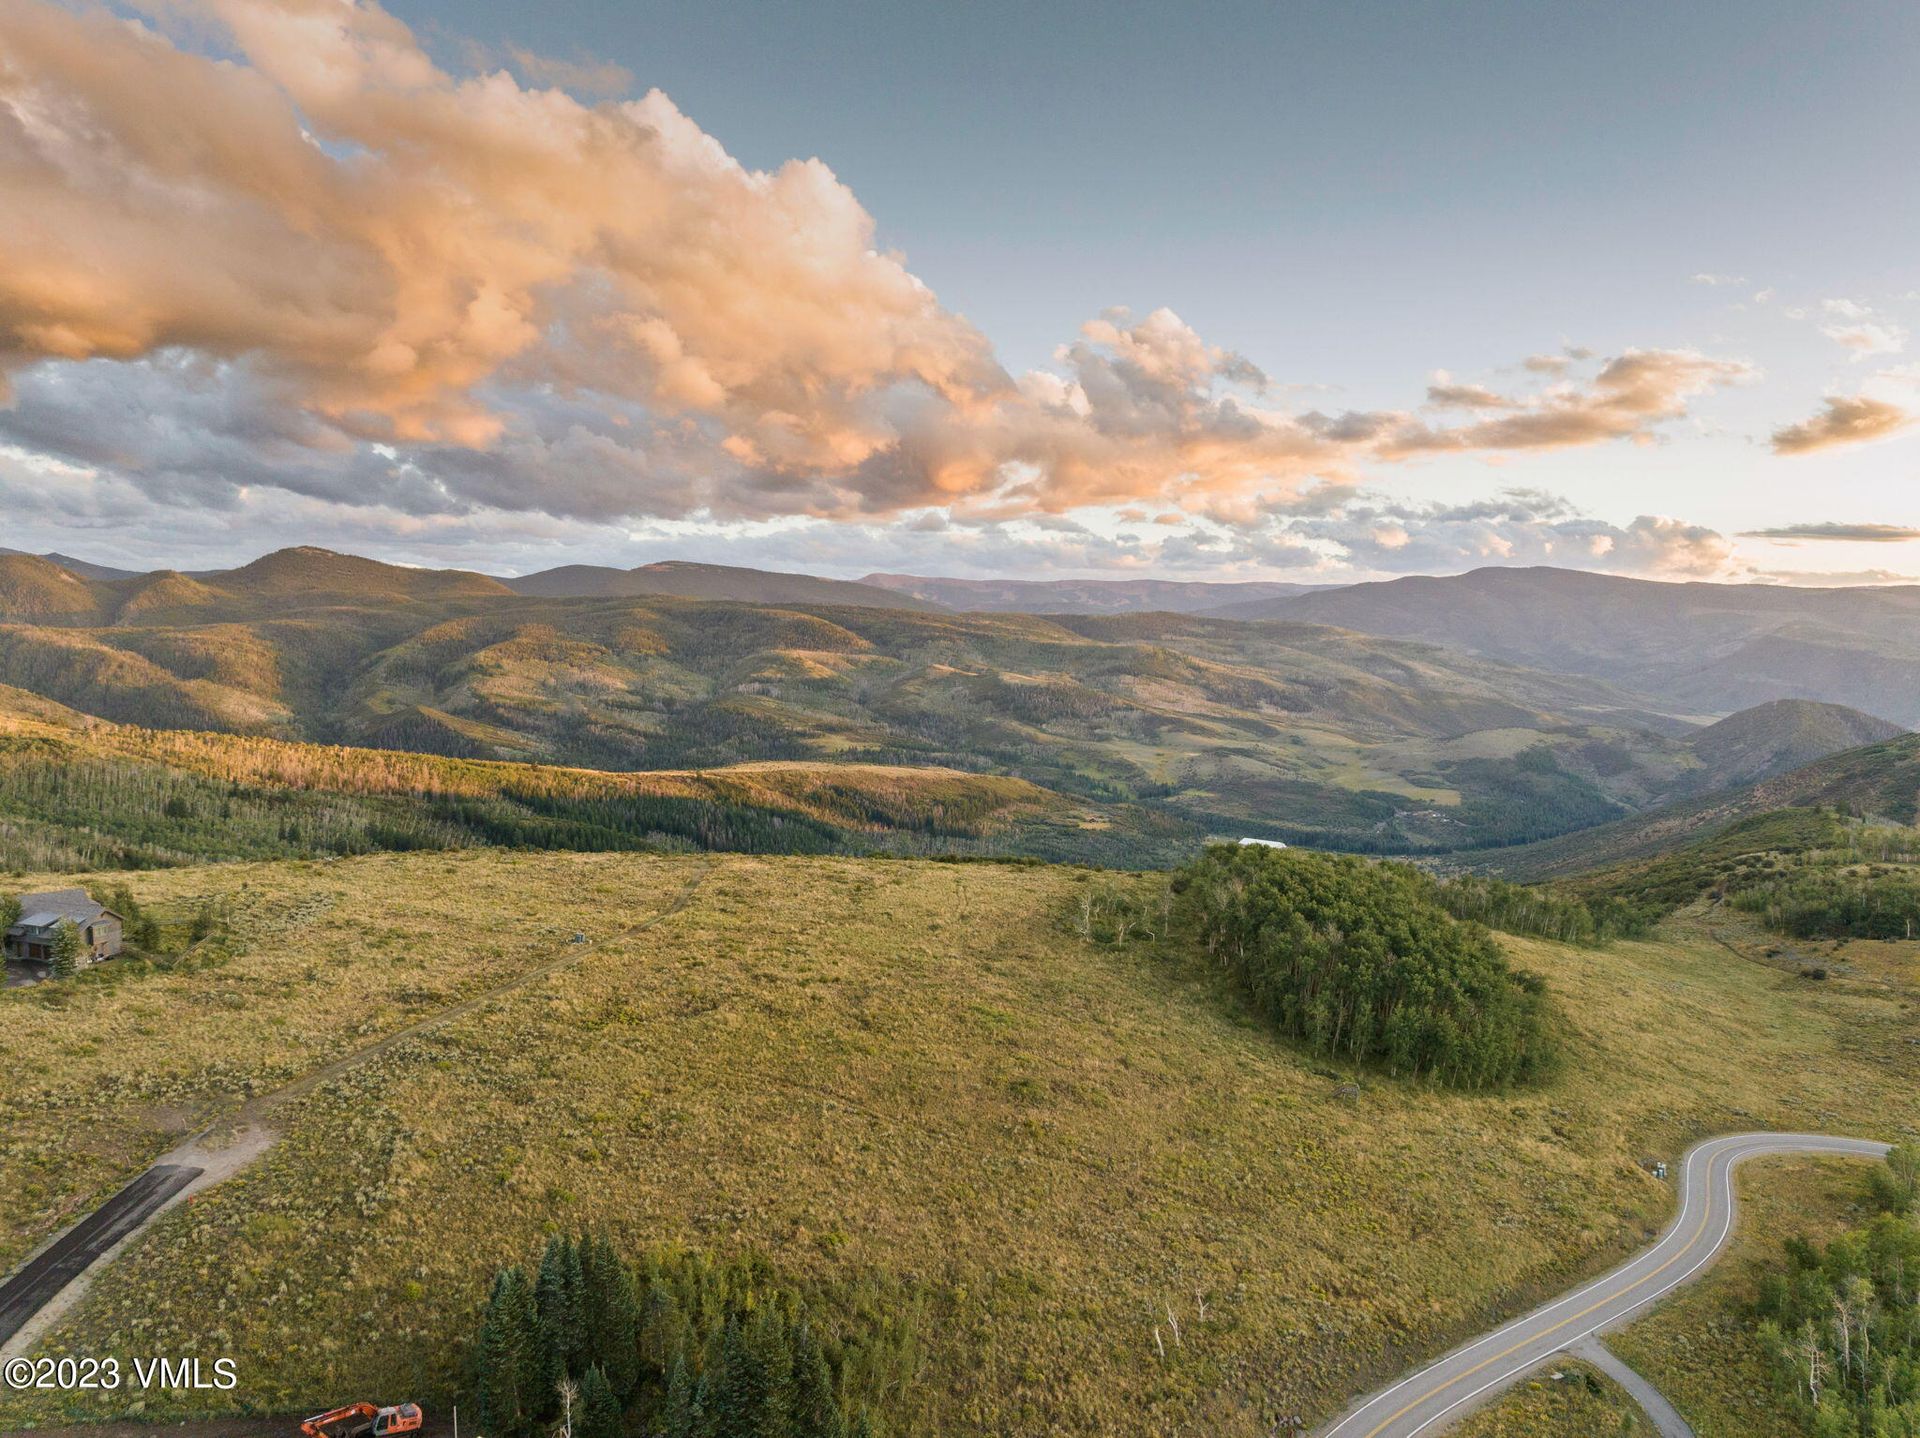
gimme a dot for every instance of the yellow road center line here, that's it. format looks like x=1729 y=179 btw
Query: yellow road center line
x=1685 y=1249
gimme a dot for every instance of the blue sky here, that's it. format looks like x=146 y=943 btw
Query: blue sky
x=1353 y=197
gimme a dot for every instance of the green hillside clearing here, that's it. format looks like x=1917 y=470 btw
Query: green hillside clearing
x=905 y=1072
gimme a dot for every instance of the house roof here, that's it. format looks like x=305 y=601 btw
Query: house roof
x=43 y=911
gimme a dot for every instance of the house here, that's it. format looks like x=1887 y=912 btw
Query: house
x=40 y=915
x=1263 y=843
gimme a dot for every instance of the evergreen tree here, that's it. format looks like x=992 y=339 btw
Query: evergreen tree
x=557 y=1295
x=712 y=1350
x=67 y=949
x=578 y=1347
x=612 y=1316
x=678 y=1415
x=9 y=912
x=740 y=1408
x=599 y=1410
x=705 y=1421
x=770 y=1340
x=509 y=1356
x=811 y=1410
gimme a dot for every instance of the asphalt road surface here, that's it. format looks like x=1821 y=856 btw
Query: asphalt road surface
x=1446 y=1390
x=42 y=1277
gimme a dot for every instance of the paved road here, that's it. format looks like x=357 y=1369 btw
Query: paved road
x=83 y=1245
x=1665 y=1418
x=1444 y=1391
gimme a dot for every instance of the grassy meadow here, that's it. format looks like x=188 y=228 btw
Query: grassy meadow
x=1580 y=1403
x=1125 y=1206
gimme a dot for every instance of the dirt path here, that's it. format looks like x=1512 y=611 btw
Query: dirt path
x=238 y=1139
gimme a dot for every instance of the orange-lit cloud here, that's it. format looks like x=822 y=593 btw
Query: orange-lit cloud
x=1628 y=399
x=1843 y=420
x=1832 y=530
x=453 y=291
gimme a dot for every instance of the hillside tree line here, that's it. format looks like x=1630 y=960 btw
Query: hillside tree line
x=681 y=1346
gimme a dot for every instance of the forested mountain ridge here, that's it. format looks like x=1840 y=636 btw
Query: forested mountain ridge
x=1874 y=782
x=78 y=792
x=1284 y=729
x=709 y=581
x=1083 y=596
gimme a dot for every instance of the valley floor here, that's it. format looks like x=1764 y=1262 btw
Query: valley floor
x=860 y=1067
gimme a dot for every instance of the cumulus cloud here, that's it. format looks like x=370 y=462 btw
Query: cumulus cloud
x=1868 y=338
x=317 y=261
x=581 y=77
x=1830 y=530
x=1444 y=393
x=1843 y=420
x=1630 y=397
x=1712 y=280
x=1519 y=527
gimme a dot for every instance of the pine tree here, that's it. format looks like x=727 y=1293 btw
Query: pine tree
x=557 y=1297
x=66 y=949
x=678 y=1416
x=578 y=1347
x=509 y=1358
x=740 y=1391
x=704 y=1421
x=771 y=1342
x=811 y=1410
x=599 y=1414
x=613 y=1324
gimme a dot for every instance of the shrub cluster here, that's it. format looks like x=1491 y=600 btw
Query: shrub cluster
x=1363 y=962
x=1542 y=913
x=1813 y=902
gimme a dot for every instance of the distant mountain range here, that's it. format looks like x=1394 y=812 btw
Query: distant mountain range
x=1694 y=650
x=84 y=568
x=1290 y=730
x=1698 y=648
x=322 y=571
x=708 y=581
x=1084 y=596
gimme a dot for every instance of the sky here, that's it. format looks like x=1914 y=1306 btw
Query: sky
x=1279 y=291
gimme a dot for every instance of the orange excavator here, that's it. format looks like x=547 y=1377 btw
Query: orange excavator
x=363 y=1420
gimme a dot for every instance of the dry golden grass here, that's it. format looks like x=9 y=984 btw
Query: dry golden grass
x=859 y=1065
x=1699 y=1348
x=1569 y=1407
